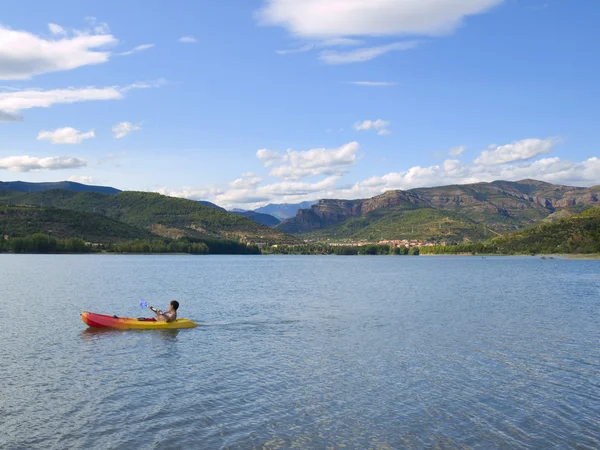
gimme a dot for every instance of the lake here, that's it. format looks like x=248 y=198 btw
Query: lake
x=307 y=352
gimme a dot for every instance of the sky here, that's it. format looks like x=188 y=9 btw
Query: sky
x=250 y=102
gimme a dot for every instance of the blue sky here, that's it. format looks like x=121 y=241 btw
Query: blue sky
x=291 y=100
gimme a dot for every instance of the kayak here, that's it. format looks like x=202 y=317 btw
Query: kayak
x=125 y=323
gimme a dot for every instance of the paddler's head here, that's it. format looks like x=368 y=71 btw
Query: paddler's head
x=174 y=304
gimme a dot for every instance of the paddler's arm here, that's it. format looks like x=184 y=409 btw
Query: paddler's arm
x=158 y=312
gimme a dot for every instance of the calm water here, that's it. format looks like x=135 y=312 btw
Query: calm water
x=302 y=352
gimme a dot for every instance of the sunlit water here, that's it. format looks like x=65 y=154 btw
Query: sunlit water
x=302 y=352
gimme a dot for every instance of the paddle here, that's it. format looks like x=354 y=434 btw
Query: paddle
x=144 y=304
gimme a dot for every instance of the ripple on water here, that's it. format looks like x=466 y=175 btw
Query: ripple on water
x=374 y=353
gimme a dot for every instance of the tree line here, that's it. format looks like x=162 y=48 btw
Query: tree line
x=326 y=249
x=42 y=243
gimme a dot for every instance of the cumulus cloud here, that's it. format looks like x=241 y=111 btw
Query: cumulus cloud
x=10 y=116
x=65 y=135
x=268 y=157
x=379 y=125
x=318 y=161
x=253 y=194
x=363 y=54
x=373 y=83
x=322 y=19
x=187 y=40
x=283 y=191
x=27 y=163
x=457 y=151
x=139 y=48
x=193 y=193
x=24 y=55
x=517 y=151
x=80 y=179
x=122 y=129
x=16 y=101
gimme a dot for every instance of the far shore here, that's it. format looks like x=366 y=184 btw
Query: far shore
x=590 y=256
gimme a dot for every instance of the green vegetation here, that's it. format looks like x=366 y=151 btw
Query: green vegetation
x=575 y=234
x=168 y=216
x=22 y=221
x=401 y=222
x=455 y=214
x=324 y=249
x=41 y=243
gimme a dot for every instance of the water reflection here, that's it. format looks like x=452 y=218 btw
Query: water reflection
x=95 y=334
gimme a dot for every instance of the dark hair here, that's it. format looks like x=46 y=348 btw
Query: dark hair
x=175 y=304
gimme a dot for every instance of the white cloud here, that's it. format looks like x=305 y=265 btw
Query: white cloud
x=552 y=170
x=65 y=135
x=10 y=116
x=56 y=29
x=322 y=19
x=27 y=163
x=379 y=125
x=333 y=42
x=304 y=48
x=97 y=27
x=188 y=40
x=280 y=192
x=194 y=193
x=139 y=48
x=517 y=151
x=252 y=194
x=340 y=42
x=268 y=157
x=318 y=161
x=457 y=151
x=364 y=54
x=373 y=83
x=24 y=55
x=16 y=101
x=80 y=179
x=124 y=128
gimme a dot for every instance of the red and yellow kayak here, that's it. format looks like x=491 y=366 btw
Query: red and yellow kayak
x=125 y=323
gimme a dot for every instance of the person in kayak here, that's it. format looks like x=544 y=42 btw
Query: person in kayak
x=170 y=315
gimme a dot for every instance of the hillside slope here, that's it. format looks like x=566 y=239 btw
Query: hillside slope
x=166 y=216
x=452 y=213
x=263 y=219
x=575 y=234
x=22 y=221
x=23 y=186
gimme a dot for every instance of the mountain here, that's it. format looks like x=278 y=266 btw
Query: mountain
x=212 y=205
x=264 y=219
x=283 y=210
x=22 y=186
x=452 y=213
x=578 y=233
x=165 y=216
x=22 y=221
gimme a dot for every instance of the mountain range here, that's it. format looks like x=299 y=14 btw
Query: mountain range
x=451 y=214
x=283 y=211
x=166 y=217
x=446 y=213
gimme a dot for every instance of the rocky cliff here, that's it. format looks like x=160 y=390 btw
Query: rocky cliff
x=501 y=205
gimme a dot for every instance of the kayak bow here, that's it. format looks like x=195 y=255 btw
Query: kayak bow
x=124 y=323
